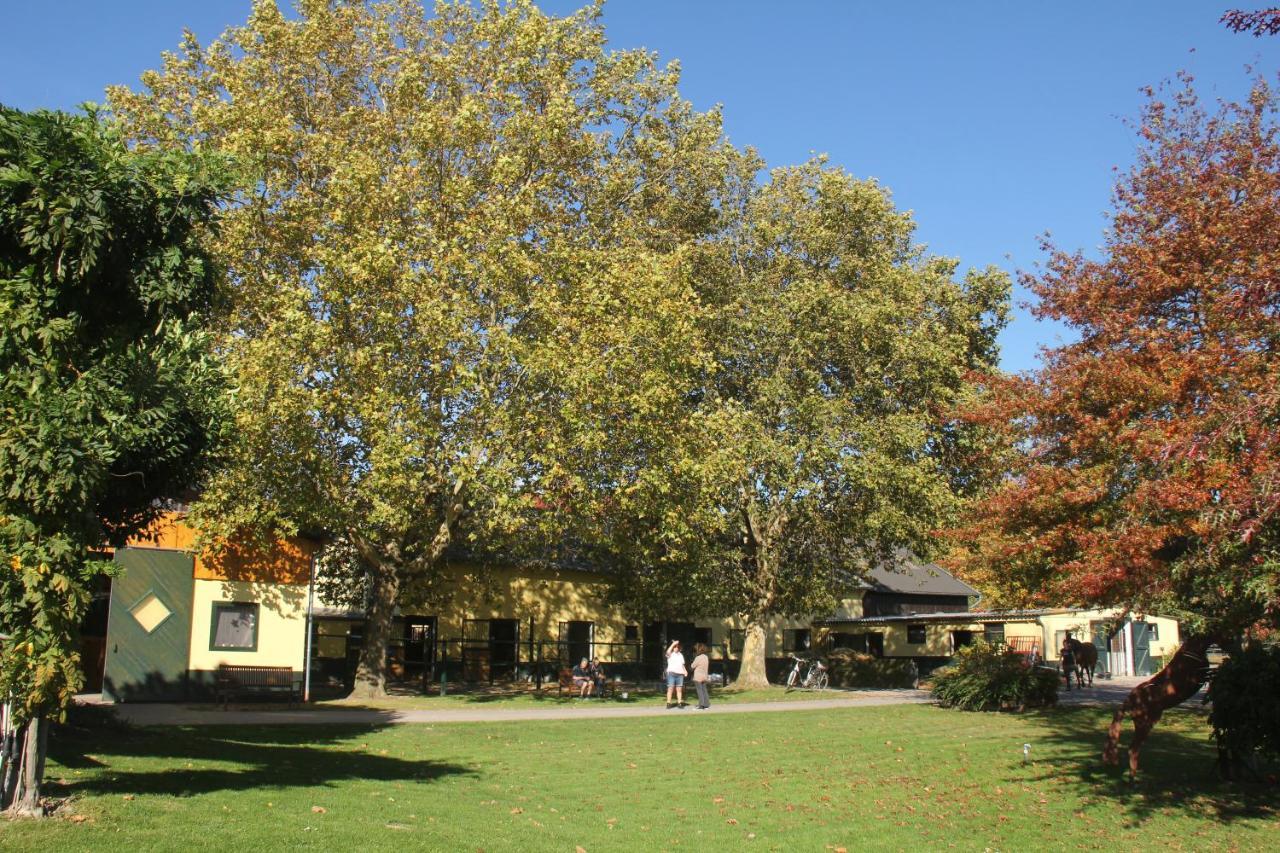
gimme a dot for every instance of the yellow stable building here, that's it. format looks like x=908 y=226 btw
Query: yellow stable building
x=1127 y=643
x=176 y=615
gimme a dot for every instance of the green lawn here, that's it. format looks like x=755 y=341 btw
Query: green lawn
x=858 y=778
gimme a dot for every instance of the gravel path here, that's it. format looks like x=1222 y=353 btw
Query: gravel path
x=1108 y=692
x=157 y=714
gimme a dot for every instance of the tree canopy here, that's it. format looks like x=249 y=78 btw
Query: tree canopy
x=1147 y=461
x=109 y=396
x=438 y=202
x=812 y=439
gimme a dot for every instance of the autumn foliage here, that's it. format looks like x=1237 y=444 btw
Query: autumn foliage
x=1144 y=454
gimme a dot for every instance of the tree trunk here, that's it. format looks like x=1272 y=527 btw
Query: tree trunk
x=752 y=674
x=28 y=770
x=371 y=670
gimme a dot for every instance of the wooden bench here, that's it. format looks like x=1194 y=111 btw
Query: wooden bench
x=566 y=683
x=234 y=680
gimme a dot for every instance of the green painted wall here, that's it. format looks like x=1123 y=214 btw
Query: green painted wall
x=149 y=626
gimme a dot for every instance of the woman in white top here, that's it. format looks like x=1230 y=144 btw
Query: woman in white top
x=675 y=675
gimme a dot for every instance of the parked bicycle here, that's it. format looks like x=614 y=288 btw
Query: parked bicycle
x=814 y=679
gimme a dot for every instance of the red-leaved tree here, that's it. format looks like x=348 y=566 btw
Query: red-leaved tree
x=1264 y=22
x=1146 y=462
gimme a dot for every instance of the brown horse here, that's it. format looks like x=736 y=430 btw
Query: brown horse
x=1086 y=655
x=1186 y=671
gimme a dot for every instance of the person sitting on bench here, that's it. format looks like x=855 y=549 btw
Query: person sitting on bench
x=598 y=678
x=582 y=678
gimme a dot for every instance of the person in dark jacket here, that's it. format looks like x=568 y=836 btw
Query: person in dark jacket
x=701 y=667
x=582 y=678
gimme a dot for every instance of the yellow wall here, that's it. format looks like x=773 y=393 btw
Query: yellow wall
x=774 y=639
x=282 y=614
x=937 y=639
x=1043 y=629
x=549 y=597
x=552 y=596
x=1161 y=646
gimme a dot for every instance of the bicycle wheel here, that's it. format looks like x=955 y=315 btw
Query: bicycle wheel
x=820 y=682
x=791 y=679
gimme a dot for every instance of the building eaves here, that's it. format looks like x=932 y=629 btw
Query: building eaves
x=962 y=616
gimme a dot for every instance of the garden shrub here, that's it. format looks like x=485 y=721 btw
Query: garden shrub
x=1245 y=692
x=990 y=678
x=859 y=669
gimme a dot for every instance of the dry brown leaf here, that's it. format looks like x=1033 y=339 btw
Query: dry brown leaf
x=319 y=809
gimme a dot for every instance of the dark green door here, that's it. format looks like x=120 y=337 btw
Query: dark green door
x=149 y=627
x=1141 y=648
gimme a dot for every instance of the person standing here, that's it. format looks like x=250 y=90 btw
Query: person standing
x=701 y=668
x=675 y=675
x=1068 y=658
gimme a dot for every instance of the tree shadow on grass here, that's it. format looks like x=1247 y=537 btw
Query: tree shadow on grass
x=263 y=757
x=1177 y=771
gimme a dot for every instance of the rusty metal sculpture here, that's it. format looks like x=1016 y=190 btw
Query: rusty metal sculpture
x=1185 y=673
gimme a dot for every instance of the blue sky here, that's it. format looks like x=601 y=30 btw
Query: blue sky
x=995 y=122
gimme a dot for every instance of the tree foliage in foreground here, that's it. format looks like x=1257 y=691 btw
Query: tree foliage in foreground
x=108 y=394
x=1246 y=709
x=439 y=201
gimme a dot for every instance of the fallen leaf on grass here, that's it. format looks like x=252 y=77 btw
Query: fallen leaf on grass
x=127 y=797
x=717 y=800
x=517 y=810
x=77 y=818
x=319 y=809
x=732 y=821
x=579 y=849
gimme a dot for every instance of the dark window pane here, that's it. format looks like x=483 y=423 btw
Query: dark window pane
x=235 y=626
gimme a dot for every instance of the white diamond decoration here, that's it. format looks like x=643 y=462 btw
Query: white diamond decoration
x=150 y=612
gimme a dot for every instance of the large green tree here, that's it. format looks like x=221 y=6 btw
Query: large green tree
x=439 y=201
x=811 y=436
x=108 y=395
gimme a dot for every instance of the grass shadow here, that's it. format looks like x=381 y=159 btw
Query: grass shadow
x=1178 y=766
x=247 y=757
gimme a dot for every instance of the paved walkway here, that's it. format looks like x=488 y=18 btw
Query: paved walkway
x=1108 y=692
x=156 y=714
